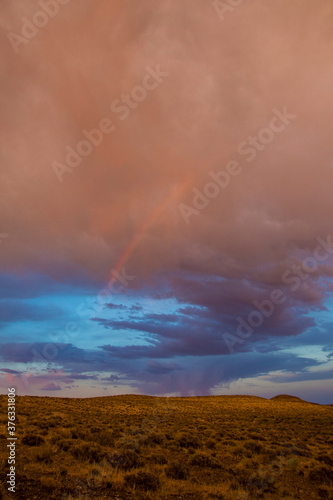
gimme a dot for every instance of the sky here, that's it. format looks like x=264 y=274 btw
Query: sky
x=166 y=204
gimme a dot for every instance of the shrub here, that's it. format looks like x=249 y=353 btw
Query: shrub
x=292 y=463
x=49 y=484
x=94 y=430
x=188 y=441
x=229 y=442
x=238 y=450
x=85 y=451
x=253 y=446
x=177 y=470
x=52 y=422
x=143 y=480
x=104 y=438
x=262 y=481
x=64 y=444
x=205 y=460
x=153 y=438
x=321 y=474
x=65 y=433
x=257 y=437
x=158 y=459
x=210 y=444
x=32 y=440
x=325 y=493
x=44 y=454
x=42 y=424
x=126 y=459
x=326 y=459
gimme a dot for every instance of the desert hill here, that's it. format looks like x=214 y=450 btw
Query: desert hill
x=135 y=447
x=286 y=397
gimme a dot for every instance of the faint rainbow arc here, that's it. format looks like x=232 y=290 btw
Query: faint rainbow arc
x=147 y=223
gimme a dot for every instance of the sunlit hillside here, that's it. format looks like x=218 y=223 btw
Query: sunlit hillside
x=140 y=447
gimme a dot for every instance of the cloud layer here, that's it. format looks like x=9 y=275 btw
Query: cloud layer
x=120 y=205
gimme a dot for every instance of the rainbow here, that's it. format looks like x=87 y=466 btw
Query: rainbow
x=147 y=223
x=187 y=184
